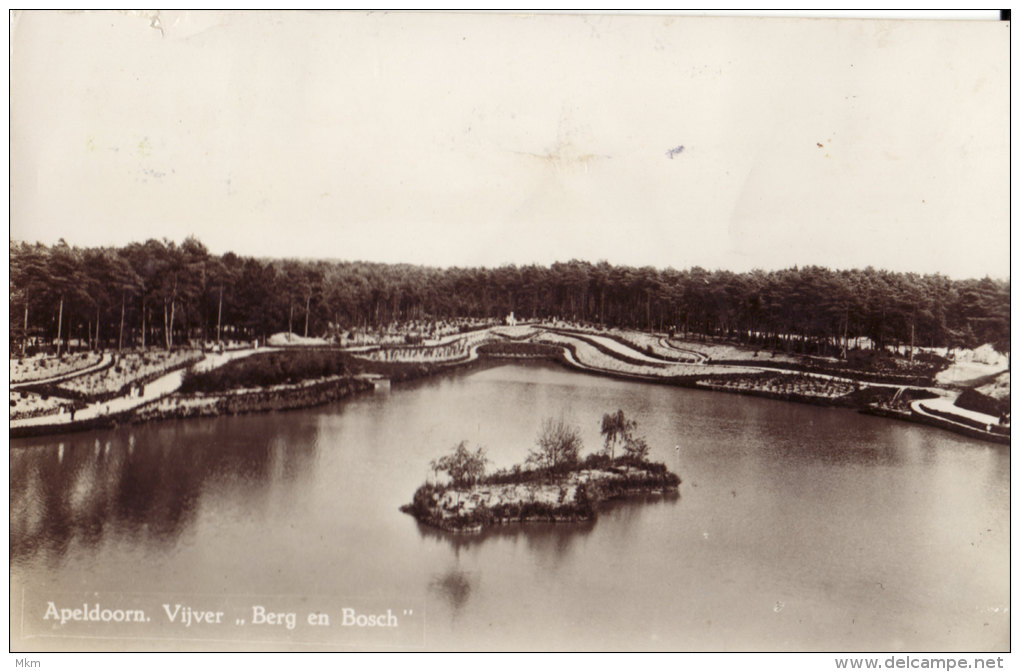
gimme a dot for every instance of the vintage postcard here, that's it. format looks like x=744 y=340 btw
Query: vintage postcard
x=403 y=331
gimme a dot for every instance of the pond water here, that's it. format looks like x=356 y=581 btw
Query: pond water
x=797 y=528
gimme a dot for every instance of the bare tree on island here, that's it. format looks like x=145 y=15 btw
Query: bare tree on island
x=558 y=444
x=463 y=466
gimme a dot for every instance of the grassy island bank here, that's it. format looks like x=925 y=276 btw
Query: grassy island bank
x=552 y=486
x=569 y=495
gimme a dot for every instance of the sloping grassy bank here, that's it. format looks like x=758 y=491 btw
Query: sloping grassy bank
x=267 y=381
x=865 y=366
x=973 y=400
x=266 y=369
x=307 y=394
x=516 y=349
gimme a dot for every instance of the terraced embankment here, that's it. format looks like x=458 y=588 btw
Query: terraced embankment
x=656 y=358
x=117 y=409
x=615 y=353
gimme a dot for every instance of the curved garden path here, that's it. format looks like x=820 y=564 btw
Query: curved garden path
x=106 y=361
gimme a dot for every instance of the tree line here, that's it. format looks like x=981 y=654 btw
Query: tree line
x=161 y=293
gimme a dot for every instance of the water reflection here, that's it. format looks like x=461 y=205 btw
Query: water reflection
x=552 y=543
x=144 y=485
x=454 y=587
x=551 y=538
x=634 y=505
x=548 y=543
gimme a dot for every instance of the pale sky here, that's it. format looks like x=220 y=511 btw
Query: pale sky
x=457 y=139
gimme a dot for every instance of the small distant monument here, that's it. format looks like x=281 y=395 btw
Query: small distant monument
x=511 y=321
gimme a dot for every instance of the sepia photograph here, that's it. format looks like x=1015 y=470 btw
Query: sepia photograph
x=336 y=331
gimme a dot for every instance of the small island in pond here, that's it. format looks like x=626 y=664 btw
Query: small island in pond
x=554 y=485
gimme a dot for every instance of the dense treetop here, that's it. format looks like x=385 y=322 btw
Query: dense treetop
x=161 y=292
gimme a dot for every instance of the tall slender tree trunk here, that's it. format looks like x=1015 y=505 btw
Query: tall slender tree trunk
x=290 y=321
x=143 y=324
x=846 y=325
x=120 y=338
x=911 y=341
x=308 y=305
x=97 y=327
x=60 y=323
x=24 y=333
x=170 y=333
x=219 y=315
x=187 y=331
